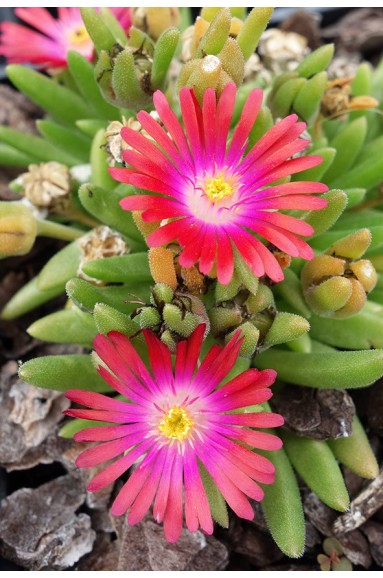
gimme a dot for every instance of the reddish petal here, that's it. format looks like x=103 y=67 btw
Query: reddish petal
x=188 y=352
x=97 y=400
x=173 y=513
x=209 y=111
x=102 y=433
x=162 y=138
x=108 y=450
x=120 y=466
x=133 y=486
x=208 y=252
x=161 y=500
x=244 y=126
x=145 y=498
x=233 y=496
x=197 y=508
x=263 y=420
x=189 y=116
x=224 y=115
x=172 y=125
x=160 y=362
x=225 y=258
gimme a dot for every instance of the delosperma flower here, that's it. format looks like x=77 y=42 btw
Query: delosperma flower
x=219 y=198
x=48 y=47
x=174 y=422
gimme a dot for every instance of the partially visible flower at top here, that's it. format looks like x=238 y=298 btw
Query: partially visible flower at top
x=214 y=196
x=176 y=420
x=48 y=47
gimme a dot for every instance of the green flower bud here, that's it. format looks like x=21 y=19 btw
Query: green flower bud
x=161 y=293
x=262 y=300
x=18 y=229
x=179 y=321
x=169 y=341
x=149 y=318
x=286 y=327
x=250 y=341
x=128 y=76
x=222 y=319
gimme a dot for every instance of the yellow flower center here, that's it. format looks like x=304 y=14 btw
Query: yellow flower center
x=218 y=189
x=79 y=36
x=176 y=424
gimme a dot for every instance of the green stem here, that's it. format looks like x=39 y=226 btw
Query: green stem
x=57 y=231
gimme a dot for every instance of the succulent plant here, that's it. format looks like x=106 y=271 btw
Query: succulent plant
x=319 y=327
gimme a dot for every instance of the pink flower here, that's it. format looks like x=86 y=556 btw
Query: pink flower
x=175 y=420
x=48 y=48
x=217 y=197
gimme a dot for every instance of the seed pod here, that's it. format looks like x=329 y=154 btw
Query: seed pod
x=18 y=229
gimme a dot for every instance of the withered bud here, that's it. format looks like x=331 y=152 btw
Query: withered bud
x=115 y=144
x=282 y=51
x=47 y=185
x=100 y=243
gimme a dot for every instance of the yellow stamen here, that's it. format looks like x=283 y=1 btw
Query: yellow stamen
x=217 y=189
x=176 y=424
x=79 y=36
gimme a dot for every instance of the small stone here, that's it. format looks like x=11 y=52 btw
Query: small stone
x=374 y=532
x=354 y=483
x=28 y=416
x=213 y=557
x=144 y=547
x=355 y=548
x=318 y=413
x=245 y=540
x=375 y=407
x=54 y=536
x=321 y=516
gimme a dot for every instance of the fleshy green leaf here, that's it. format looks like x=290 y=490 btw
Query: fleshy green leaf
x=355 y=452
x=67 y=326
x=317 y=466
x=63 y=372
x=340 y=369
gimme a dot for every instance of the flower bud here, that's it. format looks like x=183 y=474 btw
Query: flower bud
x=153 y=21
x=18 y=229
x=263 y=299
x=161 y=294
x=161 y=263
x=224 y=318
x=149 y=317
x=335 y=284
x=181 y=322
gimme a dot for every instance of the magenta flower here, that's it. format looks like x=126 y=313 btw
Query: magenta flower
x=218 y=197
x=48 y=47
x=177 y=419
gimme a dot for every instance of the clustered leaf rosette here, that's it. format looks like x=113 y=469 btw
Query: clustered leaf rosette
x=215 y=196
x=48 y=48
x=173 y=422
